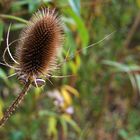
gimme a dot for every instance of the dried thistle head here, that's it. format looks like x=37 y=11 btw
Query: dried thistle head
x=37 y=50
x=36 y=53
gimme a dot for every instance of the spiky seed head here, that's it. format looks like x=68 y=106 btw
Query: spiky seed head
x=41 y=41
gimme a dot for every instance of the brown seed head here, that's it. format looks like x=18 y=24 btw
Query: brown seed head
x=42 y=38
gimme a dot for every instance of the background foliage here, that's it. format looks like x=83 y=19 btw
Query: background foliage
x=101 y=100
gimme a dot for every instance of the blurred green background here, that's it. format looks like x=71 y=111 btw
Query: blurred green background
x=101 y=101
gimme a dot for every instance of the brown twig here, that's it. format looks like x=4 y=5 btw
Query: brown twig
x=132 y=30
x=15 y=104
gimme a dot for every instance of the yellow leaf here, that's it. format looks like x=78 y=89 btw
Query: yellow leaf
x=78 y=61
x=1 y=108
x=66 y=96
x=73 y=67
x=11 y=71
x=66 y=116
x=71 y=90
x=37 y=93
x=138 y=3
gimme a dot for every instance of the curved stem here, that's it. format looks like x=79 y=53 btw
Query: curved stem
x=15 y=104
x=14 y=18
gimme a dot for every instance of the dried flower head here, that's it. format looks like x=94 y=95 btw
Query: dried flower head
x=42 y=38
x=36 y=52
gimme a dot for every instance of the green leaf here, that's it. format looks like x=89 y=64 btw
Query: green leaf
x=70 y=42
x=1 y=31
x=121 y=67
x=128 y=69
x=16 y=135
x=136 y=137
x=123 y=133
x=17 y=26
x=137 y=76
x=75 y=5
x=73 y=67
x=52 y=126
x=20 y=3
x=71 y=122
x=14 y=18
x=32 y=4
x=64 y=125
x=80 y=26
x=4 y=76
x=47 y=113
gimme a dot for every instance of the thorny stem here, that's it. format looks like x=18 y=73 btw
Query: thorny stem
x=15 y=104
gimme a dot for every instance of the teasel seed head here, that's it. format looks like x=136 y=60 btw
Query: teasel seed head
x=36 y=52
x=42 y=38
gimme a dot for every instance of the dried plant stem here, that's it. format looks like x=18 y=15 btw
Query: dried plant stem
x=61 y=134
x=132 y=31
x=15 y=104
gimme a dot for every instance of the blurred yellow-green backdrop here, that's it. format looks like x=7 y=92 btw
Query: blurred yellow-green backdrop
x=101 y=100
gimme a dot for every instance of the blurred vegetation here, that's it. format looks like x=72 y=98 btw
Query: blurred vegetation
x=101 y=100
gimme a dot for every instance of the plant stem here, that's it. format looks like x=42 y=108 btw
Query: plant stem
x=15 y=104
x=132 y=31
x=14 y=18
x=61 y=134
